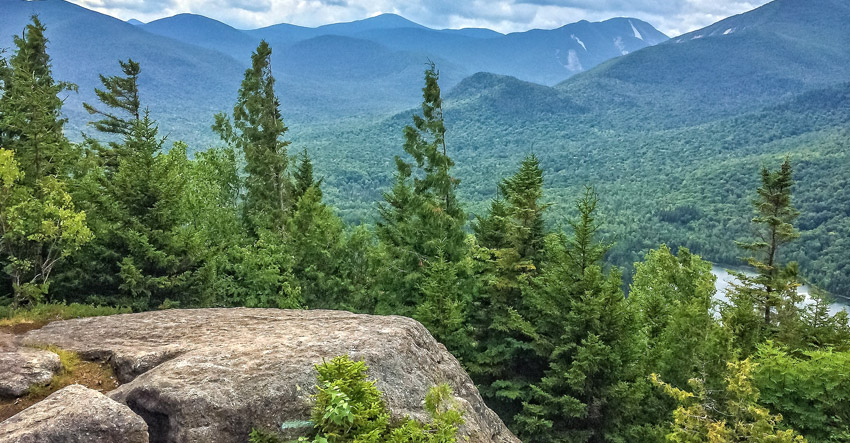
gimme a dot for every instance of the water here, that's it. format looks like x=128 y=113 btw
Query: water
x=724 y=282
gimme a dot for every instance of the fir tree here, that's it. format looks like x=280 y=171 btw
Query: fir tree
x=142 y=255
x=256 y=132
x=40 y=224
x=303 y=178
x=31 y=122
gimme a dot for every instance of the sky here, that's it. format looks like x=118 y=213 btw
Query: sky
x=673 y=17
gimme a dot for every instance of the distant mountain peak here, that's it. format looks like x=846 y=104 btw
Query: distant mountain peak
x=133 y=21
x=380 y=21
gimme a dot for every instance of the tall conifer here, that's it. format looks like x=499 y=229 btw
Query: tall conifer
x=421 y=220
x=120 y=95
x=512 y=238
x=257 y=132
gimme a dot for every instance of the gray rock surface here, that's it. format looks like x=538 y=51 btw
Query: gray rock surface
x=210 y=375
x=22 y=367
x=75 y=414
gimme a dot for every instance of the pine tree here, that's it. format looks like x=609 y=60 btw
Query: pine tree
x=40 y=224
x=316 y=240
x=256 y=133
x=420 y=219
x=142 y=255
x=303 y=178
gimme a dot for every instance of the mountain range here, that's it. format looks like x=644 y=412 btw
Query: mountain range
x=670 y=132
x=192 y=65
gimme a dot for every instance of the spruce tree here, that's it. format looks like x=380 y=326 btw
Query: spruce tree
x=763 y=304
x=512 y=237
x=587 y=339
x=303 y=179
x=421 y=220
x=31 y=121
x=40 y=224
x=256 y=132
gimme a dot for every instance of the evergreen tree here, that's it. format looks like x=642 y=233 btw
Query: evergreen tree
x=587 y=337
x=421 y=220
x=303 y=178
x=316 y=241
x=512 y=237
x=31 y=122
x=767 y=302
x=40 y=223
x=256 y=133
x=120 y=94
x=143 y=255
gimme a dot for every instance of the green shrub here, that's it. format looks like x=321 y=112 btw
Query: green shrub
x=349 y=408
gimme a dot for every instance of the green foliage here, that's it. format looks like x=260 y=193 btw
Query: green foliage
x=142 y=253
x=587 y=338
x=421 y=218
x=765 y=306
x=38 y=227
x=256 y=133
x=812 y=391
x=32 y=124
x=672 y=297
x=738 y=418
x=349 y=408
x=511 y=236
x=119 y=94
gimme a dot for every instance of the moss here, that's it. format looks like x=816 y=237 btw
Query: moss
x=19 y=320
x=73 y=370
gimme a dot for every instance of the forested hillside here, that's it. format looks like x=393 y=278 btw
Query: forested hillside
x=532 y=310
x=667 y=135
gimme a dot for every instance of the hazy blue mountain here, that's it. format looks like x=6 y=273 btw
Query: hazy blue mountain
x=184 y=85
x=192 y=65
x=204 y=32
x=285 y=33
x=742 y=63
x=475 y=32
x=133 y=21
x=542 y=56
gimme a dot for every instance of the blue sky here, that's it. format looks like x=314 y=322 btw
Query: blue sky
x=672 y=17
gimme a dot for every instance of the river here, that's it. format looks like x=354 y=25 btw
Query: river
x=724 y=281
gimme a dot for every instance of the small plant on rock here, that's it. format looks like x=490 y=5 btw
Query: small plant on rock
x=349 y=408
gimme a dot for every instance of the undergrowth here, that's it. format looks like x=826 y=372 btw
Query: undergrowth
x=350 y=408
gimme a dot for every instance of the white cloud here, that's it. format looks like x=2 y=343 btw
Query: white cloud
x=672 y=17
